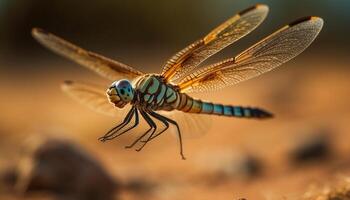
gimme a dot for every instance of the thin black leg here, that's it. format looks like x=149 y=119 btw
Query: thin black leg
x=160 y=118
x=127 y=120
x=150 y=123
x=133 y=126
x=118 y=127
x=150 y=136
x=178 y=131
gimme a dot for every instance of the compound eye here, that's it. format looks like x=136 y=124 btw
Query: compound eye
x=122 y=91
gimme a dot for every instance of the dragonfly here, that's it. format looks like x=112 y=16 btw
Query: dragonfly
x=149 y=95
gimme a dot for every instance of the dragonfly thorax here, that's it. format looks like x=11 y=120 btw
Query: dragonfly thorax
x=120 y=93
x=154 y=93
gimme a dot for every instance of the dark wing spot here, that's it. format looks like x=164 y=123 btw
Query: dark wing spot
x=301 y=20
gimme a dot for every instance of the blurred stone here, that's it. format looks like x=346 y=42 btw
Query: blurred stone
x=63 y=169
x=8 y=179
x=227 y=164
x=140 y=186
x=313 y=147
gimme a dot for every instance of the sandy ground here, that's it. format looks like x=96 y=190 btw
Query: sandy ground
x=307 y=101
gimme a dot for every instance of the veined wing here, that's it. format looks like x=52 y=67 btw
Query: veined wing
x=92 y=96
x=103 y=66
x=192 y=125
x=227 y=33
x=269 y=53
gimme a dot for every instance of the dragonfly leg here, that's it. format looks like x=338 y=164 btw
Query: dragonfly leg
x=160 y=118
x=133 y=126
x=166 y=122
x=150 y=123
x=151 y=135
x=111 y=134
x=118 y=127
x=178 y=131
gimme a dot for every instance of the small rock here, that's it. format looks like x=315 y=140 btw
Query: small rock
x=140 y=186
x=227 y=164
x=63 y=169
x=8 y=178
x=310 y=148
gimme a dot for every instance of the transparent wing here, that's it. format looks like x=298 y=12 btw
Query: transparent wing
x=264 y=56
x=92 y=96
x=103 y=66
x=230 y=31
x=191 y=125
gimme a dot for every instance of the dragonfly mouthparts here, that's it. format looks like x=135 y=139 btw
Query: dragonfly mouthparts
x=112 y=91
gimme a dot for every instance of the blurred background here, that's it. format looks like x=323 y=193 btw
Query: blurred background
x=48 y=142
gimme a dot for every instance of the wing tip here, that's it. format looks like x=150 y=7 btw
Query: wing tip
x=37 y=32
x=261 y=6
x=315 y=19
x=256 y=6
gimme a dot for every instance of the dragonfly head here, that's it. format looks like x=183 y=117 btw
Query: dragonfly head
x=120 y=93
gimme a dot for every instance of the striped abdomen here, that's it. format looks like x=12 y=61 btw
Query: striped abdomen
x=153 y=93
x=190 y=105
